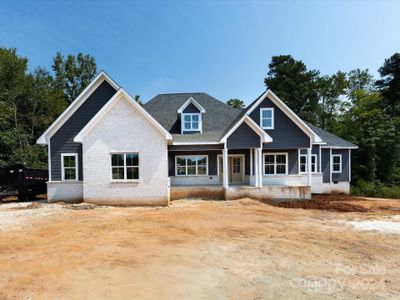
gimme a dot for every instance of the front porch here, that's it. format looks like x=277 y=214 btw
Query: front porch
x=238 y=173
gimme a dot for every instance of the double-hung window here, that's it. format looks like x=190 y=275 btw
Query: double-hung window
x=125 y=166
x=275 y=163
x=303 y=163
x=336 y=163
x=191 y=122
x=191 y=165
x=69 y=166
x=267 y=118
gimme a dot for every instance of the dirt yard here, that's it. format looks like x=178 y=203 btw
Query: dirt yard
x=241 y=249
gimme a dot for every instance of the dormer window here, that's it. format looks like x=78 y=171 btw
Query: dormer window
x=267 y=118
x=191 y=122
x=191 y=116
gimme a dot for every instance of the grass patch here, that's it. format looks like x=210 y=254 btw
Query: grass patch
x=371 y=189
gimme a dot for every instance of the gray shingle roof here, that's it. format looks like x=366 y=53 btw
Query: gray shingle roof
x=217 y=118
x=330 y=139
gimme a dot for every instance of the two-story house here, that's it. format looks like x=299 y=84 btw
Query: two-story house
x=108 y=149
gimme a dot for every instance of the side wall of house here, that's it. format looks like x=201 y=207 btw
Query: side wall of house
x=124 y=129
x=62 y=140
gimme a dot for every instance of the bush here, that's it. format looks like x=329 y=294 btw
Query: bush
x=371 y=189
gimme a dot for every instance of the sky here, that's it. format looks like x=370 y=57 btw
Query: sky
x=219 y=47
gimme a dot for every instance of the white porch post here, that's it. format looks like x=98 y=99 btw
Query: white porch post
x=260 y=168
x=225 y=167
x=251 y=161
x=256 y=167
x=309 y=166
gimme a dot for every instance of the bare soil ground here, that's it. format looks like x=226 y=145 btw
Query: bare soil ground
x=241 y=249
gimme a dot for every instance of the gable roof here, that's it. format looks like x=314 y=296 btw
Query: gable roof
x=219 y=116
x=282 y=106
x=73 y=107
x=331 y=140
x=194 y=102
x=110 y=104
x=265 y=137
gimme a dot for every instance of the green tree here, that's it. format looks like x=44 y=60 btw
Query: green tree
x=366 y=125
x=331 y=89
x=295 y=85
x=29 y=103
x=73 y=73
x=389 y=85
x=236 y=103
x=138 y=100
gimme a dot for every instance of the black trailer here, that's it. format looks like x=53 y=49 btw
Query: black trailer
x=22 y=182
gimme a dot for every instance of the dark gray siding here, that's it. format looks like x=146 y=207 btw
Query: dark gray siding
x=326 y=165
x=293 y=156
x=286 y=134
x=62 y=140
x=243 y=138
x=212 y=160
x=191 y=108
x=344 y=175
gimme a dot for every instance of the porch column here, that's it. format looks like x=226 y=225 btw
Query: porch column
x=251 y=161
x=225 y=168
x=309 y=166
x=260 y=167
x=256 y=173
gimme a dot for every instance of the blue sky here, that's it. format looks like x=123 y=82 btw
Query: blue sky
x=219 y=47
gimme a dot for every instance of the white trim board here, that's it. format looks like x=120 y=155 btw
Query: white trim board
x=73 y=107
x=286 y=110
x=195 y=103
x=195 y=143
x=339 y=147
x=104 y=110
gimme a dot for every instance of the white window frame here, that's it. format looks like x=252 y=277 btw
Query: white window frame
x=186 y=157
x=275 y=154
x=340 y=164
x=125 y=167
x=191 y=122
x=315 y=163
x=76 y=166
x=272 y=118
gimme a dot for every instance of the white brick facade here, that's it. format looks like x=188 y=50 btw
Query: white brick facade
x=124 y=129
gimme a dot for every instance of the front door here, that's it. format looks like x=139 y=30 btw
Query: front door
x=235 y=167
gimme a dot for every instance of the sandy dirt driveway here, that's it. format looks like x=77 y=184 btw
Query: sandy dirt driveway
x=241 y=249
